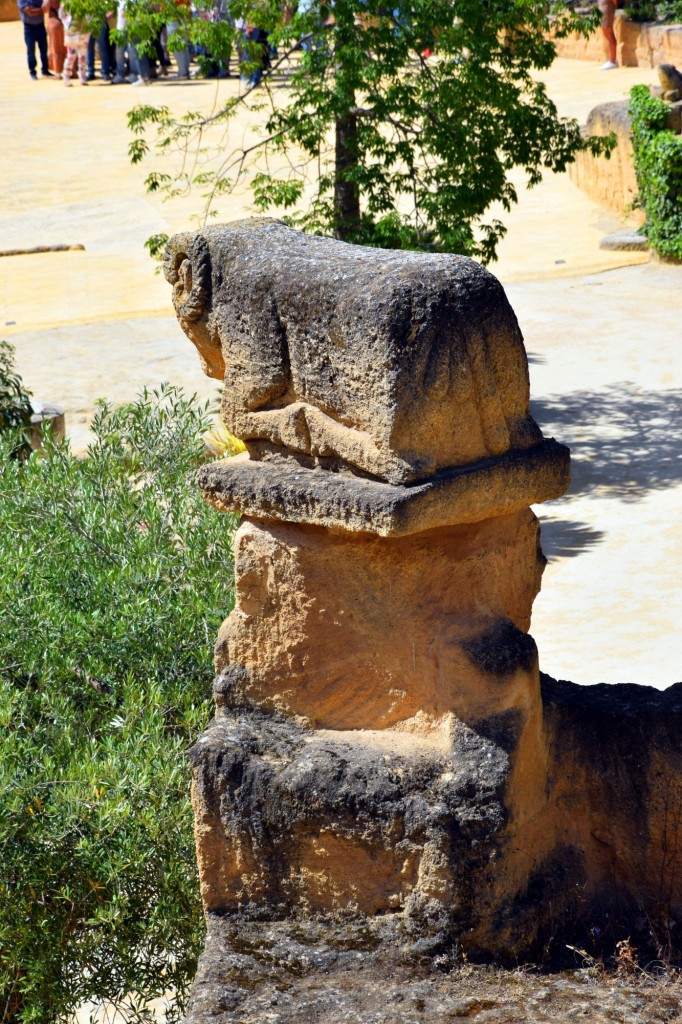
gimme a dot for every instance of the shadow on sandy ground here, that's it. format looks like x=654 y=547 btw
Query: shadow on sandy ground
x=625 y=442
x=566 y=538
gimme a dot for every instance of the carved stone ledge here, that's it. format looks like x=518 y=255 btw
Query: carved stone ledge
x=469 y=494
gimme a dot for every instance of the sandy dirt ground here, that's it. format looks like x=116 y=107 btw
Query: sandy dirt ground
x=602 y=331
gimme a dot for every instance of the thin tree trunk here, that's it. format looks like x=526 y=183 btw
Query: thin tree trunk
x=346 y=193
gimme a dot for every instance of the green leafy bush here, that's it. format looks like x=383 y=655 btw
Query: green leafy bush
x=650 y=10
x=658 y=165
x=114 y=576
x=15 y=400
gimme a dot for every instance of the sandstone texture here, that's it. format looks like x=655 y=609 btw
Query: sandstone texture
x=461 y=495
x=327 y=971
x=369 y=844
x=390 y=364
x=401 y=633
x=611 y=181
x=387 y=781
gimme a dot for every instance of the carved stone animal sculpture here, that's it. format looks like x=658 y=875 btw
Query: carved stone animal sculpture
x=671 y=82
x=393 y=365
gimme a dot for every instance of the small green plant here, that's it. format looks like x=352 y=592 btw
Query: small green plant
x=114 y=576
x=15 y=400
x=642 y=10
x=658 y=165
x=650 y=10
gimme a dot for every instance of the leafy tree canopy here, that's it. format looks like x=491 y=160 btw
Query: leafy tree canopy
x=396 y=126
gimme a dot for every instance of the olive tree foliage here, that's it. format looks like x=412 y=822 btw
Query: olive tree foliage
x=114 y=577
x=396 y=125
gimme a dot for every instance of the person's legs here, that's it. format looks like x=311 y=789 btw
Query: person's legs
x=608 y=14
x=181 y=57
x=41 y=39
x=83 y=49
x=103 y=47
x=120 y=63
x=55 y=48
x=71 y=57
x=182 y=61
x=90 y=57
x=143 y=66
x=30 y=40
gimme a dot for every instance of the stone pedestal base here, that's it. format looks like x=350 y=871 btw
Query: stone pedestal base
x=361 y=632
x=342 y=876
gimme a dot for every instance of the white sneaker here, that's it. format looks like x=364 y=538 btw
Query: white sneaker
x=141 y=81
x=609 y=66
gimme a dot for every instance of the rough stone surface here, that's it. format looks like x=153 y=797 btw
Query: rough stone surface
x=384 y=771
x=671 y=82
x=465 y=495
x=612 y=181
x=299 y=822
x=390 y=364
x=627 y=241
x=609 y=181
x=356 y=972
x=291 y=821
x=363 y=633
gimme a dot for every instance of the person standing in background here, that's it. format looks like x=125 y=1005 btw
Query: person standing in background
x=175 y=29
x=55 y=36
x=608 y=14
x=76 y=37
x=31 y=14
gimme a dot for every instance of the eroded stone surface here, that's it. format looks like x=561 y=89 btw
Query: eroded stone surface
x=282 y=491
x=364 y=633
x=610 y=181
x=360 y=838
x=327 y=971
x=384 y=766
x=392 y=364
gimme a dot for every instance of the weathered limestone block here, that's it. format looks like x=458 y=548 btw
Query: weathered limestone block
x=459 y=495
x=611 y=181
x=402 y=636
x=378 y=736
x=394 y=365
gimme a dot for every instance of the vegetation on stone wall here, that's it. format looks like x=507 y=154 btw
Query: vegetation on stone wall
x=374 y=139
x=114 y=577
x=655 y=10
x=658 y=165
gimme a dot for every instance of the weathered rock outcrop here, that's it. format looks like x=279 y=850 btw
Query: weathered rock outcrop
x=382 y=774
